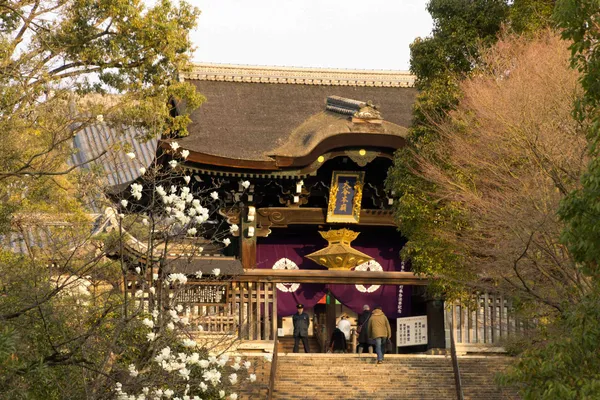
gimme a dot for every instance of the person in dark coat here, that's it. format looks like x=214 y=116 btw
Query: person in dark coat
x=338 y=341
x=301 y=322
x=363 y=328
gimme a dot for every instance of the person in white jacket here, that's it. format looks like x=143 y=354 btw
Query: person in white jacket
x=344 y=326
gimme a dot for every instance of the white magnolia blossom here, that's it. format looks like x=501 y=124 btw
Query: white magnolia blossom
x=221 y=394
x=214 y=195
x=192 y=231
x=136 y=190
x=203 y=386
x=199 y=274
x=145 y=221
x=174 y=315
x=236 y=366
x=216 y=271
x=204 y=364
x=142 y=170
x=155 y=276
x=148 y=322
x=233 y=396
x=100 y=118
x=187 y=179
x=155 y=313
x=121 y=215
x=138 y=270
x=174 y=145
x=161 y=191
x=189 y=343
x=179 y=308
x=151 y=336
x=269 y=357
x=168 y=393
x=226 y=242
x=131 y=155
x=246 y=184
x=212 y=376
x=177 y=278
x=185 y=373
x=170 y=326
x=172 y=163
x=185 y=154
x=233 y=378
x=247 y=364
x=124 y=203
x=234 y=228
x=139 y=293
x=152 y=290
x=133 y=371
x=252 y=377
x=184 y=320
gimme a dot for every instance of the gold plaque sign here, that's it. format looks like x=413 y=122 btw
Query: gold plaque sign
x=345 y=196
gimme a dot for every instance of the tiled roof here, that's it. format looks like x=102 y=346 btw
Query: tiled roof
x=250 y=117
x=300 y=76
x=119 y=169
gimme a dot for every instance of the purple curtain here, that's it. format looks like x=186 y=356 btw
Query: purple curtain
x=384 y=246
x=271 y=250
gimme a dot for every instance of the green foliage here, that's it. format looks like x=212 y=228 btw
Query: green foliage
x=581 y=209
x=563 y=364
x=461 y=30
x=531 y=15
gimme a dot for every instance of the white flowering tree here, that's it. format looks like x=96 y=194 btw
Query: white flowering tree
x=174 y=216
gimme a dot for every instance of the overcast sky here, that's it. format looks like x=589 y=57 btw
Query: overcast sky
x=359 y=34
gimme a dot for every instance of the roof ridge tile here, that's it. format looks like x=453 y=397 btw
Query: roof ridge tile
x=300 y=76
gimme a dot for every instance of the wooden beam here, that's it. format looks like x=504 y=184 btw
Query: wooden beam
x=281 y=217
x=327 y=276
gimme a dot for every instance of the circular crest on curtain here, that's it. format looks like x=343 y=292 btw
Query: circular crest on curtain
x=286 y=263
x=368 y=266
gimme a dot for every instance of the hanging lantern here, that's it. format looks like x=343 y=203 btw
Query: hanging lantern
x=339 y=255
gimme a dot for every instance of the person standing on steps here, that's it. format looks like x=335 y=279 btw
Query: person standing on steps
x=338 y=341
x=345 y=325
x=379 y=329
x=363 y=331
x=301 y=322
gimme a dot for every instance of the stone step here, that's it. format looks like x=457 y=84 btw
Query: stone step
x=347 y=376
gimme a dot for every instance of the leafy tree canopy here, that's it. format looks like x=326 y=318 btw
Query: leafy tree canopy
x=66 y=64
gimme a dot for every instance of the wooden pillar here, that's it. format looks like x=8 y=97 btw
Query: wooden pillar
x=248 y=244
x=274 y=317
x=435 y=323
x=330 y=315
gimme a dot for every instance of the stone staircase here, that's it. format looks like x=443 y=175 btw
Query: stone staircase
x=286 y=345
x=423 y=377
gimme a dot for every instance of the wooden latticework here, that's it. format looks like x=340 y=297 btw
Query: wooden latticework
x=488 y=320
x=245 y=309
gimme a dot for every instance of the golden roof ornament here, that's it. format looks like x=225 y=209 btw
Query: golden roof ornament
x=339 y=255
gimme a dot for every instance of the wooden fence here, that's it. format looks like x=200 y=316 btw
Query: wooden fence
x=247 y=309
x=487 y=321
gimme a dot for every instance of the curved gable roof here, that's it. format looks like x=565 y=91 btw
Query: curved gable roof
x=253 y=115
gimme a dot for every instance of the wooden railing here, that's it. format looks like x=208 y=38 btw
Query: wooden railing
x=246 y=308
x=273 y=375
x=484 y=322
x=455 y=368
x=320 y=332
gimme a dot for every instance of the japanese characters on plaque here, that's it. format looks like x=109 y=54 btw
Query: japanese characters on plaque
x=345 y=196
x=411 y=331
x=203 y=294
